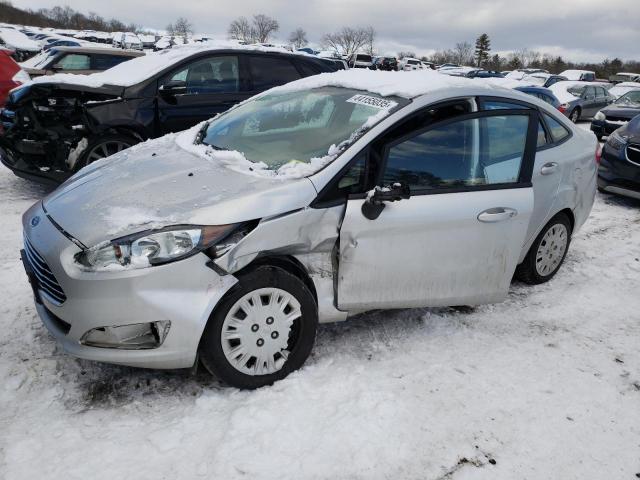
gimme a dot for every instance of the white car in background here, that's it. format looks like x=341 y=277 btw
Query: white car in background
x=579 y=75
x=408 y=64
x=624 y=87
x=127 y=40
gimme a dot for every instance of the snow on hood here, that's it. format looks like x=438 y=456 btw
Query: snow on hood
x=18 y=40
x=139 y=69
x=156 y=184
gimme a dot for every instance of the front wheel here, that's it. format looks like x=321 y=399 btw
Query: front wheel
x=547 y=253
x=104 y=146
x=261 y=331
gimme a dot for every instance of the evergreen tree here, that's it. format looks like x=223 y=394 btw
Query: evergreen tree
x=483 y=47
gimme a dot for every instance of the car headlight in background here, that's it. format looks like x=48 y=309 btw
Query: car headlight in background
x=156 y=247
x=600 y=116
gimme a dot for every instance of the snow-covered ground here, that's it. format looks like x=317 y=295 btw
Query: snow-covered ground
x=543 y=386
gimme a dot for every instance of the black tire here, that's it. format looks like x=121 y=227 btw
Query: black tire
x=527 y=271
x=574 y=116
x=97 y=142
x=301 y=338
x=599 y=137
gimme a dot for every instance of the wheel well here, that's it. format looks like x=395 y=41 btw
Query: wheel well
x=285 y=262
x=129 y=132
x=569 y=213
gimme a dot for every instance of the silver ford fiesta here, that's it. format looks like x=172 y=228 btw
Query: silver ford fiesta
x=326 y=197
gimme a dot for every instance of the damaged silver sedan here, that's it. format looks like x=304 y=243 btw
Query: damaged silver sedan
x=327 y=197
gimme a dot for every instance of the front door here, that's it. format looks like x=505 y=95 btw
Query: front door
x=198 y=91
x=457 y=239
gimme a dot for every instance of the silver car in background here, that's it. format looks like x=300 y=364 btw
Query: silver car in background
x=309 y=203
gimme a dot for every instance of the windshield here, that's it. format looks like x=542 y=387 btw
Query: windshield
x=630 y=98
x=538 y=81
x=281 y=128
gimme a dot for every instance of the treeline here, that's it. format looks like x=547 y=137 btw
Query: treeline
x=63 y=18
x=464 y=53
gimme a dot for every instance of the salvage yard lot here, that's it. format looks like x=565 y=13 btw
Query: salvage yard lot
x=543 y=386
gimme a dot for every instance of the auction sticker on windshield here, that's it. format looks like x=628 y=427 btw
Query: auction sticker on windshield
x=376 y=102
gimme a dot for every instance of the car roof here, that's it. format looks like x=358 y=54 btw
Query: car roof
x=106 y=51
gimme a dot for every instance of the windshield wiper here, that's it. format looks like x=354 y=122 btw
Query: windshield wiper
x=201 y=132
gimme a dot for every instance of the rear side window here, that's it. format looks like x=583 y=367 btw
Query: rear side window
x=75 y=61
x=558 y=131
x=104 y=62
x=307 y=70
x=210 y=75
x=501 y=105
x=268 y=72
x=465 y=153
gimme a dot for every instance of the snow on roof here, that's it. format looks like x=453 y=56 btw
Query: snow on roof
x=575 y=74
x=18 y=40
x=406 y=84
x=139 y=69
x=623 y=87
x=561 y=89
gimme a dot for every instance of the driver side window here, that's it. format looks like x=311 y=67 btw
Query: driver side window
x=209 y=75
x=463 y=153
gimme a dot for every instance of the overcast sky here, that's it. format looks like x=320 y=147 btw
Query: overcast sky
x=581 y=30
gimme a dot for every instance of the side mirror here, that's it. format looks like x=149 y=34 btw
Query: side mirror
x=175 y=87
x=376 y=198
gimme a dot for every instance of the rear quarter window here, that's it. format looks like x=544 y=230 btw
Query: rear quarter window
x=558 y=131
x=267 y=72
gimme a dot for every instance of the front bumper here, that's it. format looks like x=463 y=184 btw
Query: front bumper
x=604 y=127
x=183 y=292
x=24 y=168
x=616 y=174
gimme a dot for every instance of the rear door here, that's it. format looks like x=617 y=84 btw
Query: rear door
x=267 y=71
x=590 y=104
x=200 y=89
x=457 y=239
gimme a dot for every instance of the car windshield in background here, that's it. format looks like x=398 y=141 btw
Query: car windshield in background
x=280 y=128
x=630 y=98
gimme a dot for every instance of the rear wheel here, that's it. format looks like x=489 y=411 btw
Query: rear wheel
x=547 y=253
x=575 y=115
x=261 y=331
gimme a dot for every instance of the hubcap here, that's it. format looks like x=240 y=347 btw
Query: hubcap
x=257 y=331
x=106 y=149
x=551 y=249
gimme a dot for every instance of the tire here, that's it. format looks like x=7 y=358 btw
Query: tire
x=574 y=116
x=233 y=359
x=531 y=270
x=599 y=137
x=97 y=146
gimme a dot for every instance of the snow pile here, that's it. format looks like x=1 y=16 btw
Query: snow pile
x=18 y=40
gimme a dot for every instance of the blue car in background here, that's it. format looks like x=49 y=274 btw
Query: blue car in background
x=543 y=94
x=62 y=43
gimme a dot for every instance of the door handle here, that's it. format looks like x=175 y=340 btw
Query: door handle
x=497 y=214
x=549 y=168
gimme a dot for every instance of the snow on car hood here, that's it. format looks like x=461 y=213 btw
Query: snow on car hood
x=158 y=183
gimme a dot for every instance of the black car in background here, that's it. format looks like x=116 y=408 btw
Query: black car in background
x=616 y=115
x=619 y=169
x=389 y=64
x=50 y=128
x=484 y=74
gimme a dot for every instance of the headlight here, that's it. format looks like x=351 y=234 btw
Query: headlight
x=600 y=116
x=150 y=248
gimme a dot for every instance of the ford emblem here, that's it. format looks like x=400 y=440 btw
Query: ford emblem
x=35 y=221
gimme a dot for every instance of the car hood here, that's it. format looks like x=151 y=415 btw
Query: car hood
x=623 y=111
x=156 y=184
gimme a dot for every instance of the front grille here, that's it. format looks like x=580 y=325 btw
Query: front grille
x=44 y=276
x=633 y=153
x=617 y=119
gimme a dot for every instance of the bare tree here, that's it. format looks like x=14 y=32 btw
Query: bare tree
x=240 y=29
x=463 y=53
x=370 y=34
x=347 y=40
x=263 y=27
x=406 y=54
x=298 y=38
